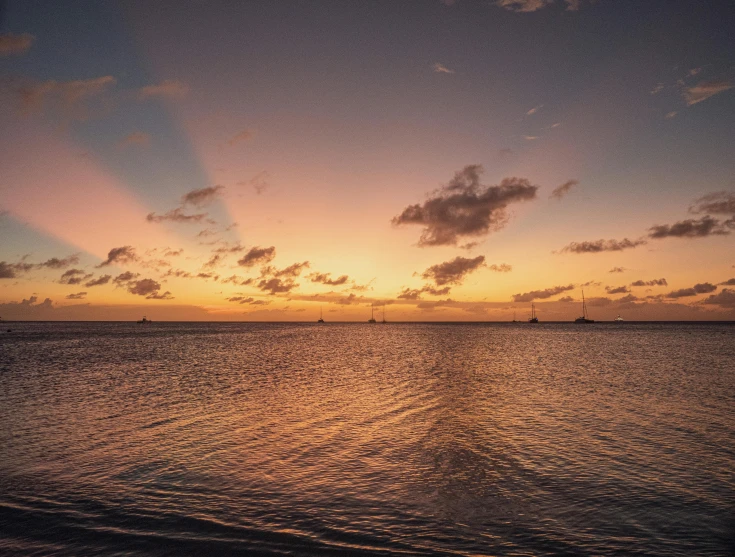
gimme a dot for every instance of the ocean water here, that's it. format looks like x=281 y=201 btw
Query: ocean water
x=357 y=439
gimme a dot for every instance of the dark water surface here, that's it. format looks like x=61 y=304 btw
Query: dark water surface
x=398 y=439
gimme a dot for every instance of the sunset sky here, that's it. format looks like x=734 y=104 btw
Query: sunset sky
x=449 y=160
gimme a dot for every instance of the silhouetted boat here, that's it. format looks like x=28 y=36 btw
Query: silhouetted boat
x=383 y=321
x=618 y=318
x=533 y=319
x=584 y=318
x=321 y=317
x=514 y=318
x=145 y=320
x=372 y=314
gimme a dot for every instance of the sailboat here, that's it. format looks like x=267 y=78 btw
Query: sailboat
x=514 y=317
x=372 y=314
x=383 y=321
x=584 y=318
x=618 y=318
x=533 y=319
x=144 y=321
x=321 y=316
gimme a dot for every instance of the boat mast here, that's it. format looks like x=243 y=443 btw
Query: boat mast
x=584 y=306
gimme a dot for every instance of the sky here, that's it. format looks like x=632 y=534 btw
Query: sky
x=436 y=160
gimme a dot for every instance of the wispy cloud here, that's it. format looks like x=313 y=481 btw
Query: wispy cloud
x=720 y=202
x=441 y=68
x=168 y=88
x=122 y=255
x=178 y=215
x=534 y=110
x=542 y=294
x=257 y=256
x=77 y=296
x=203 y=196
x=617 y=270
x=702 y=288
x=599 y=246
x=690 y=228
x=11 y=44
x=240 y=137
x=654 y=282
x=454 y=271
x=135 y=138
x=565 y=188
x=704 y=90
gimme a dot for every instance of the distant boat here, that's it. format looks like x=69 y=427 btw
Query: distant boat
x=618 y=318
x=145 y=320
x=584 y=318
x=321 y=317
x=533 y=319
x=514 y=318
x=383 y=321
x=372 y=314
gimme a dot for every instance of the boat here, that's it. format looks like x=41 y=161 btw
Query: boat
x=533 y=319
x=145 y=320
x=584 y=318
x=383 y=321
x=321 y=316
x=514 y=318
x=618 y=318
x=372 y=314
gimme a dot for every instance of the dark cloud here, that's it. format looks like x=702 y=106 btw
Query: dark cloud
x=617 y=290
x=291 y=271
x=598 y=246
x=617 y=270
x=124 y=278
x=257 y=256
x=248 y=300
x=207 y=276
x=599 y=302
x=215 y=260
x=326 y=278
x=68 y=96
x=10 y=43
x=172 y=253
x=259 y=182
x=465 y=207
x=415 y=293
x=704 y=90
x=725 y=298
x=454 y=271
x=148 y=288
x=227 y=248
x=75 y=276
x=564 y=189
x=202 y=196
x=77 y=296
x=56 y=263
x=566 y=299
x=690 y=228
x=542 y=294
x=117 y=256
x=7 y=271
x=654 y=282
x=702 y=288
x=177 y=215
x=104 y=279
x=627 y=299
x=729 y=282
x=276 y=285
x=719 y=203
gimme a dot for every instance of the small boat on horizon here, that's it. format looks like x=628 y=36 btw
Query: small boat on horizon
x=533 y=319
x=584 y=318
x=618 y=318
x=321 y=316
x=145 y=320
x=383 y=321
x=372 y=314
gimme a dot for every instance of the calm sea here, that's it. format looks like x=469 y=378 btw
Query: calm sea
x=357 y=439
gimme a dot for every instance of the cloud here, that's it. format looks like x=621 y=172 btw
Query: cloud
x=690 y=228
x=502 y=268
x=74 y=276
x=177 y=215
x=135 y=138
x=7 y=270
x=704 y=90
x=148 y=288
x=534 y=110
x=124 y=278
x=56 y=263
x=325 y=278
x=277 y=285
x=122 y=255
x=562 y=190
x=441 y=68
x=168 y=88
x=415 y=294
x=566 y=299
x=244 y=135
x=70 y=94
x=464 y=207
x=256 y=256
x=656 y=90
x=598 y=246
x=617 y=290
x=541 y=294
x=259 y=182
x=290 y=271
x=702 y=288
x=202 y=196
x=617 y=270
x=454 y=271
x=104 y=279
x=729 y=282
x=721 y=202
x=530 y=137
x=168 y=252
x=670 y=115
x=654 y=282
x=248 y=300
x=77 y=296
x=523 y=5
x=10 y=43
x=725 y=298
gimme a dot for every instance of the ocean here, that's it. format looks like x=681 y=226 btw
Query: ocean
x=357 y=439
